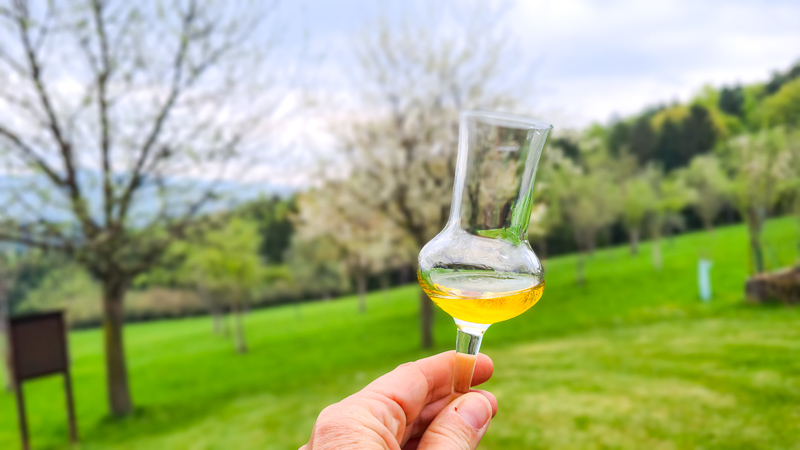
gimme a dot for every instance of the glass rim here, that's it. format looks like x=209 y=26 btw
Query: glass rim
x=504 y=119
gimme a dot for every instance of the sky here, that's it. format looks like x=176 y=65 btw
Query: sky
x=583 y=61
x=593 y=60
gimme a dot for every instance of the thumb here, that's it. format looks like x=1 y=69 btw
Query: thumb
x=460 y=425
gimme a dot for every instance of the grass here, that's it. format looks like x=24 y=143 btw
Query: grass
x=631 y=359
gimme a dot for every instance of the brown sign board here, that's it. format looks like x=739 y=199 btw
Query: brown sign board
x=38 y=347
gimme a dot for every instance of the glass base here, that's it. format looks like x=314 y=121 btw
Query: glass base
x=468 y=344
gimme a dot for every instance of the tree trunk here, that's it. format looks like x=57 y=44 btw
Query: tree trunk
x=754 y=229
x=385 y=285
x=4 y=315
x=404 y=276
x=543 y=247
x=580 y=272
x=425 y=320
x=216 y=318
x=657 y=259
x=425 y=305
x=213 y=309
x=634 y=236
x=361 y=286
x=241 y=344
x=119 y=397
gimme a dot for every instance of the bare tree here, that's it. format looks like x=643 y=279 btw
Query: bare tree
x=106 y=110
x=365 y=240
x=415 y=77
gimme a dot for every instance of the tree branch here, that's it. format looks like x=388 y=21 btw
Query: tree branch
x=102 y=103
x=34 y=68
x=32 y=157
x=175 y=89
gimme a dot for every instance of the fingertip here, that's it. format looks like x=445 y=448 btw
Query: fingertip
x=472 y=408
x=486 y=361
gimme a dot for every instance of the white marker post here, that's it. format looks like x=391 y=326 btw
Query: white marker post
x=704 y=279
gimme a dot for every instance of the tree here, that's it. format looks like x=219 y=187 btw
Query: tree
x=643 y=139
x=273 y=216
x=758 y=164
x=315 y=267
x=365 y=239
x=638 y=201
x=546 y=213
x=783 y=107
x=699 y=133
x=731 y=101
x=226 y=263
x=669 y=144
x=707 y=177
x=779 y=79
x=416 y=76
x=587 y=197
x=106 y=108
x=619 y=137
x=792 y=184
x=671 y=196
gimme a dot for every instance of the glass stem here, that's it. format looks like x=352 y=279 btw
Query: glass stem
x=468 y=344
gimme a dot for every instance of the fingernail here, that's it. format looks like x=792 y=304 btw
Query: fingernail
x=473 y=410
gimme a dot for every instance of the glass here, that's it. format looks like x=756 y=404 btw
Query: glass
x=480 y=268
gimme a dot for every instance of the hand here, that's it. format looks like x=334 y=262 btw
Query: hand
x=409 y=408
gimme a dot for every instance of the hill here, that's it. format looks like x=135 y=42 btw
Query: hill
x=631 y=359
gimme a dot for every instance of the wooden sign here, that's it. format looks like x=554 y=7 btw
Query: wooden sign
x=38 y=347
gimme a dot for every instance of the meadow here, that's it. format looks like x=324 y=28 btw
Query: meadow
x=631 y=359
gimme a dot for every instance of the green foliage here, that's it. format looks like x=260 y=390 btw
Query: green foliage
x=315 y=267
x=683 y=134
x=780 y=78
x=66 y=287
x=227 y=260
x=631 y=359
x=26 y=272
x=638 y=200
x=758 y=163
x=707 y=177
x=782 y=108
x=643 y=140
x=273 y=216
x=731 y=101
x=672 y=194
x=586 y=194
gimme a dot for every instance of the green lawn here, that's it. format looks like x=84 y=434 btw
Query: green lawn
x=631 y=359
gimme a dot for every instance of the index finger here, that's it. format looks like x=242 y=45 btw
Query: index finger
x=414 y=385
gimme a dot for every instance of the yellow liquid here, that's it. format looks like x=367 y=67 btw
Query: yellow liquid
x=483 y=297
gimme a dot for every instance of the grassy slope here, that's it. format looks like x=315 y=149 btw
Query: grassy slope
x=630 y=359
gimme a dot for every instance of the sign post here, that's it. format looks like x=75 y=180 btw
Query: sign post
x=38 y=347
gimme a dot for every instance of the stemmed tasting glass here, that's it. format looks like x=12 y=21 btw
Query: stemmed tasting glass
x=480 y=268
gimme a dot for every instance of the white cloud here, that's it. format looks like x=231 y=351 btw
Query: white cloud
x=598 y=59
